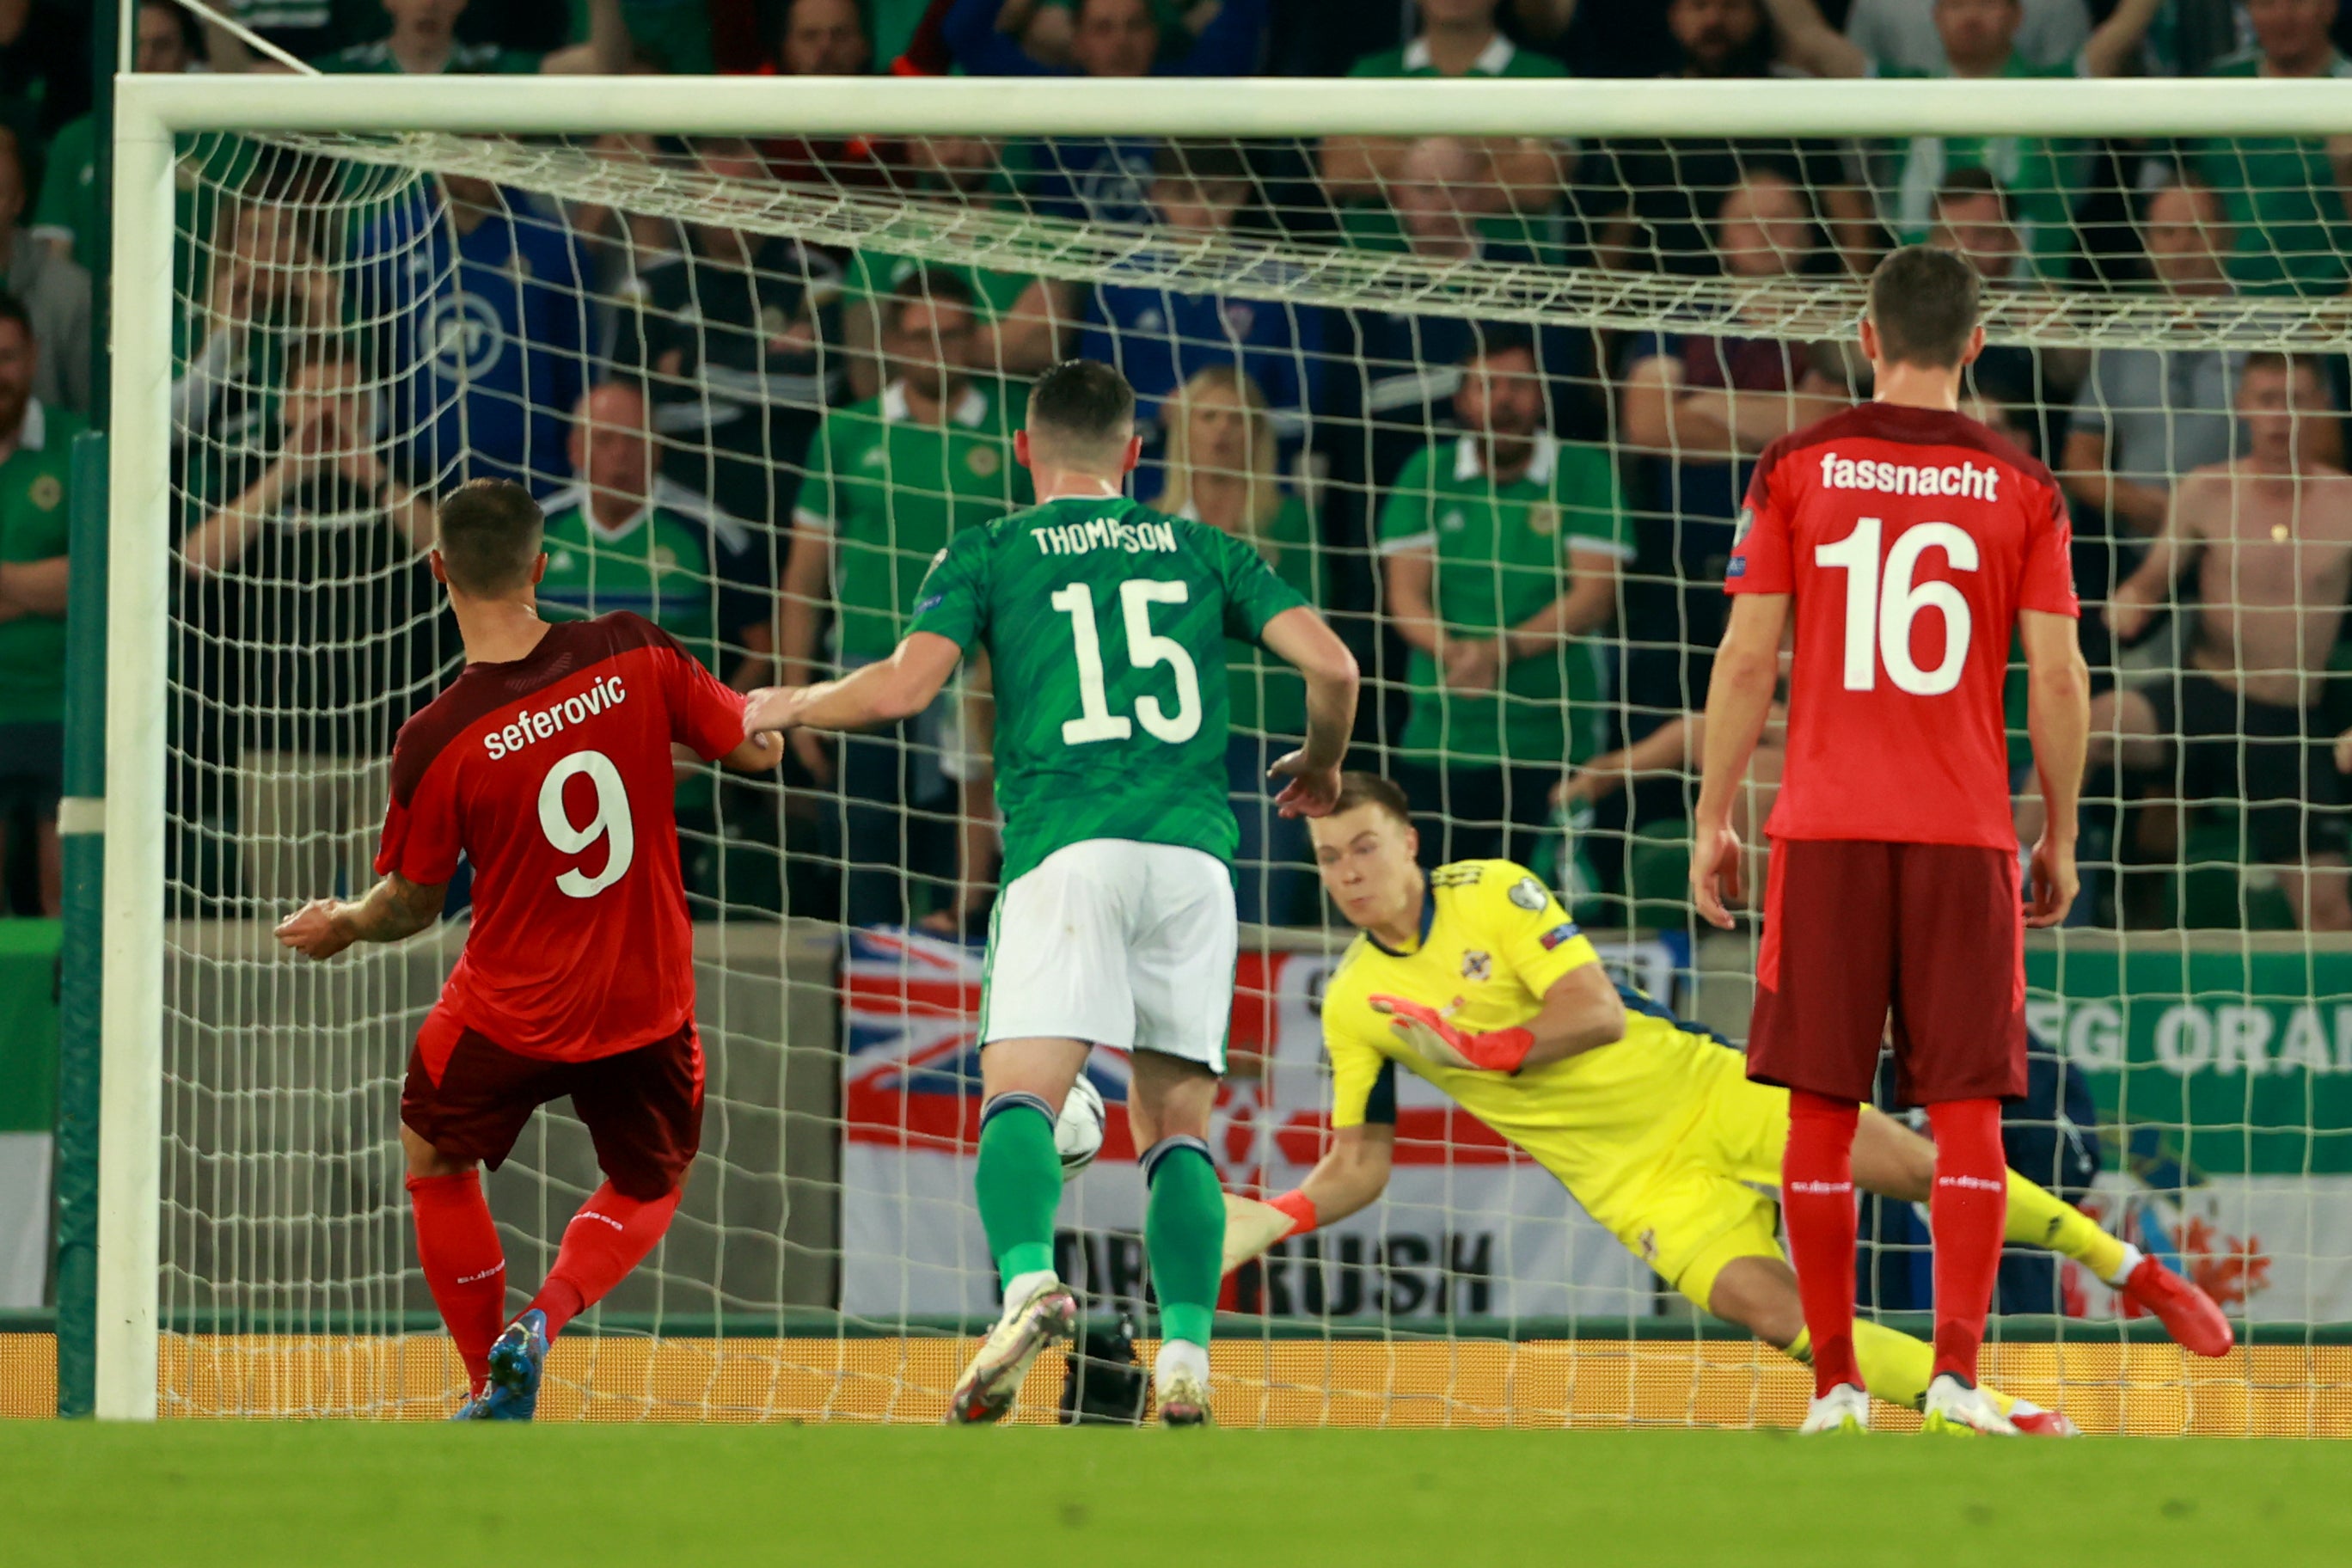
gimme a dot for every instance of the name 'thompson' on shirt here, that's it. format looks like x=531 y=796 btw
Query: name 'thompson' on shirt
x=1896 y=730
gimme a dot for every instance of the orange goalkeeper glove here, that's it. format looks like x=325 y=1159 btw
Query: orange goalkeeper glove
x=1427 y=1032
x=1252 y=1226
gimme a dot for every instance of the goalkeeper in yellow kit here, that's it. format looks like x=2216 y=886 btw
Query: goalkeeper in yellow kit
x=1472 y=977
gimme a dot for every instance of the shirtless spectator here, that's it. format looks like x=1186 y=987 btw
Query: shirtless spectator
x=2269 y=535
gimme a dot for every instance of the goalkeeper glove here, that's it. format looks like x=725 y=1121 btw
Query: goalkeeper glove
x=1428 y=1033
x=1252 y=1226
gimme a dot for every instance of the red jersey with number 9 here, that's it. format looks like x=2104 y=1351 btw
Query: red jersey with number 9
x=1909 y=538
x=552 y=775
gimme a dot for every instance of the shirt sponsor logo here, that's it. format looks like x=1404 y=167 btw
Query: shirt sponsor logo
x=551 y=719
x=1476 y=965
x=465 y=336
x=1738 y=567
x=1529 y=895
x=1558 y=934
x=1104 y=534
x=1970 y=481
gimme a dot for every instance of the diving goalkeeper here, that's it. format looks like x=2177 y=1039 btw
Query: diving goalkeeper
x=1474 y=978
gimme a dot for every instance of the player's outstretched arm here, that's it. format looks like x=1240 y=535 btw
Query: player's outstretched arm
x=898 y=687
x=1739 y=702
x=1306 y=641
x=2058 y=720
x=394 y=909
x=1352 y=1172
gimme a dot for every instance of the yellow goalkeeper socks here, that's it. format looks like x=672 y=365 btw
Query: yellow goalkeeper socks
x=2040 y=1218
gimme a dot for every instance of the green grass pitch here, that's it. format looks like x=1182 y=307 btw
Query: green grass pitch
x=324 y=1495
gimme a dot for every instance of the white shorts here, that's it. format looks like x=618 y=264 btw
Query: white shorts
x=1118 y=943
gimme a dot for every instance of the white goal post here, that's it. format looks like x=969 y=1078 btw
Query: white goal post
x=150 y=110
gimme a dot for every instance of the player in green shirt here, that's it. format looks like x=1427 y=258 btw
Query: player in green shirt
x=36 y=471
x=891 y=480
x=1106 y=625
x=1500 y=551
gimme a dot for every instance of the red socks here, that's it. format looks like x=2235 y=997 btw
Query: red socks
x=465 y=1267
x=610 y=1236
x=1969 y=1208
x=1817 y=1197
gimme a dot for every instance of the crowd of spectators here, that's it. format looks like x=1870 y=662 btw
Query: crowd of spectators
x=761 y=442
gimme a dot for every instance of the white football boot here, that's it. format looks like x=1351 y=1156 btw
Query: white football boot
x=1842 y=1409
x=1047 y=1315
x=1956 y=1410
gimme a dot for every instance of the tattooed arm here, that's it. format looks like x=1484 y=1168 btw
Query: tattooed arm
x=395 y=908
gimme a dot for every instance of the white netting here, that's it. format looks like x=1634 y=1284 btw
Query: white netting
x=755 y=405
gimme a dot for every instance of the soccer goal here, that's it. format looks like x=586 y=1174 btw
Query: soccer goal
x=1504 y=348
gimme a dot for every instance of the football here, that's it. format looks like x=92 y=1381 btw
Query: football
x=1078 y=1131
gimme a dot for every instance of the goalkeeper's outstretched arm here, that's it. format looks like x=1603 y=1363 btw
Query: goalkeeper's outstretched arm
x=1352 y=1172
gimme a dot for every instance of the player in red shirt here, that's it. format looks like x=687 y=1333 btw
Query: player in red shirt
x=548 y=764
x=1910 y=544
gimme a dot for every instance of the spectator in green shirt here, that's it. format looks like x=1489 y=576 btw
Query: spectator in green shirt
x=423 y=42
x=891 y=480
x=54 y=292
x=623 y=537
x=1459 y=38
x=1502 y=549
x=1220 y=467
x=35 y=467
x=2285 y=195
x=1024 y=322
x=2042 y=177
x=67 y=216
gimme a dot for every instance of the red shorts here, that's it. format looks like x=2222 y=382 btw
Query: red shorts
x=470 y=1097
x=1932 y=935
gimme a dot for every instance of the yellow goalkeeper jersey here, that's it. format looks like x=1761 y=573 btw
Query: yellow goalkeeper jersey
x=1493 y=940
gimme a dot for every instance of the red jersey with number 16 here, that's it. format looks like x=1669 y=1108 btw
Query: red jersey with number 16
x=1909 y=538
x=552 y=775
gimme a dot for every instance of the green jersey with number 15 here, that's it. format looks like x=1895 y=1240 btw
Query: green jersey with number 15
x=1105 y=624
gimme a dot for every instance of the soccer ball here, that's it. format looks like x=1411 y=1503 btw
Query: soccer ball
x=1078 y=1131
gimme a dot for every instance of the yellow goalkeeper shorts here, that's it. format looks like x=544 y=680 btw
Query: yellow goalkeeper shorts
x=1700 y=1207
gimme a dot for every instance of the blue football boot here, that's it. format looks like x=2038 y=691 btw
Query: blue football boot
x=476 y=1409
x=516 y=1361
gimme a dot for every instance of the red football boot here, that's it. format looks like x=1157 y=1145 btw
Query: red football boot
x=2188 y=1314
x=2042 y=1423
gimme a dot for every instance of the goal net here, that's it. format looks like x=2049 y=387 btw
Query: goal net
x=1489 y=398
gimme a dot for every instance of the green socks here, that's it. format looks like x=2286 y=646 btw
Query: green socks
x=1019 y=1184
x=1184 y=1232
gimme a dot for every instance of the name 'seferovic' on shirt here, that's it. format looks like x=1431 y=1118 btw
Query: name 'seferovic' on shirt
x=552 y=775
